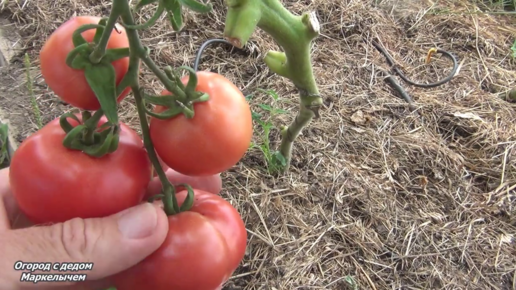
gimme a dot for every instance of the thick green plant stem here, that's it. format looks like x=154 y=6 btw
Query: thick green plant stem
x=295 y=35
x=121 y=9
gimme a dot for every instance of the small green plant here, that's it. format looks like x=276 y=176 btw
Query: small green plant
x=274 y=160
x=5 y=156
x=513 y=49
x=352 y=285
x=35 y=108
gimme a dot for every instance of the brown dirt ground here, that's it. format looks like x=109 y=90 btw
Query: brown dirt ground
x=378 y=196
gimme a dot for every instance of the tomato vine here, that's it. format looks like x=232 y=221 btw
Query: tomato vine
x=200 y=126
x=293 y=33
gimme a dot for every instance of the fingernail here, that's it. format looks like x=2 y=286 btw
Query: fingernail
x=138 y=222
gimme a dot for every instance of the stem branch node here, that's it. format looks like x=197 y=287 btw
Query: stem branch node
x=294 y=34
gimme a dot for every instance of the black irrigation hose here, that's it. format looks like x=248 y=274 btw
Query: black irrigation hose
x=401 y=75
x=203 y=47
x=389 y=79
x=376 y=44
x=397 y=87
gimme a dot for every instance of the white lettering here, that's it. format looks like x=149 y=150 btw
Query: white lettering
x=35 y=278
x=18 y=265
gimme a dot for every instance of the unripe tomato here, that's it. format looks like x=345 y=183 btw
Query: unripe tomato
x=69 y=84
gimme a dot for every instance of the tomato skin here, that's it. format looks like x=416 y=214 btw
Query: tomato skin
x=68 y=84
x=210 y=183
x=215 y=139
x=51 y=183
x=203 y=248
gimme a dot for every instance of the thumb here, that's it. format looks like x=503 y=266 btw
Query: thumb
x=112 y=244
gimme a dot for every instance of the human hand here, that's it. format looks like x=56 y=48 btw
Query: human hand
x=112 y=243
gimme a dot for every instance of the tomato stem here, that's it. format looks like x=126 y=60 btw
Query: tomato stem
x=295 y=35
x=88 y=137
x=100 y=50
x=169 y=85
x=137 y=52
x=168 y=190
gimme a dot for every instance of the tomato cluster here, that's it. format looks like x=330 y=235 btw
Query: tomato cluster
x=53 y=183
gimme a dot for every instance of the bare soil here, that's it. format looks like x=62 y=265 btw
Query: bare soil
x=379 y=196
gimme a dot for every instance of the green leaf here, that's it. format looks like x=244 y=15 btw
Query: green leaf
x=77 y=34
x=166 y=101
x=249 y=97
x=176 y=23
x=202 y=97
x=116 y=54
x=197 y=6
x=274 y=95
x=266 y=126
x=100 y=149
x=177 y=79
x=65 y=125
x=104 y=127
x=100 y=30
x=189 y=200
x=280 y=158
x=86 y=115
x=73 y=135
x=192 y=79
x=4 y=135
x=93 y=121
x=78 y=40
x=351 y=282
x=169 y=72
x=102 y=79
x=104 y=133
x=174 y=13
x=114 y=142
x=81 y=62
x=167 y=114
x=76 y=58
x=279 y=111
x=168 y=203
x=271 y=93
x=265 y=107
x=256 y=116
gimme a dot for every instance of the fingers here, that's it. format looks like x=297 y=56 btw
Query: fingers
x=211 y=183
x=20 y=221
x=10 y=215
x=112 y=244
x=8 y=208
x=4 y=218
